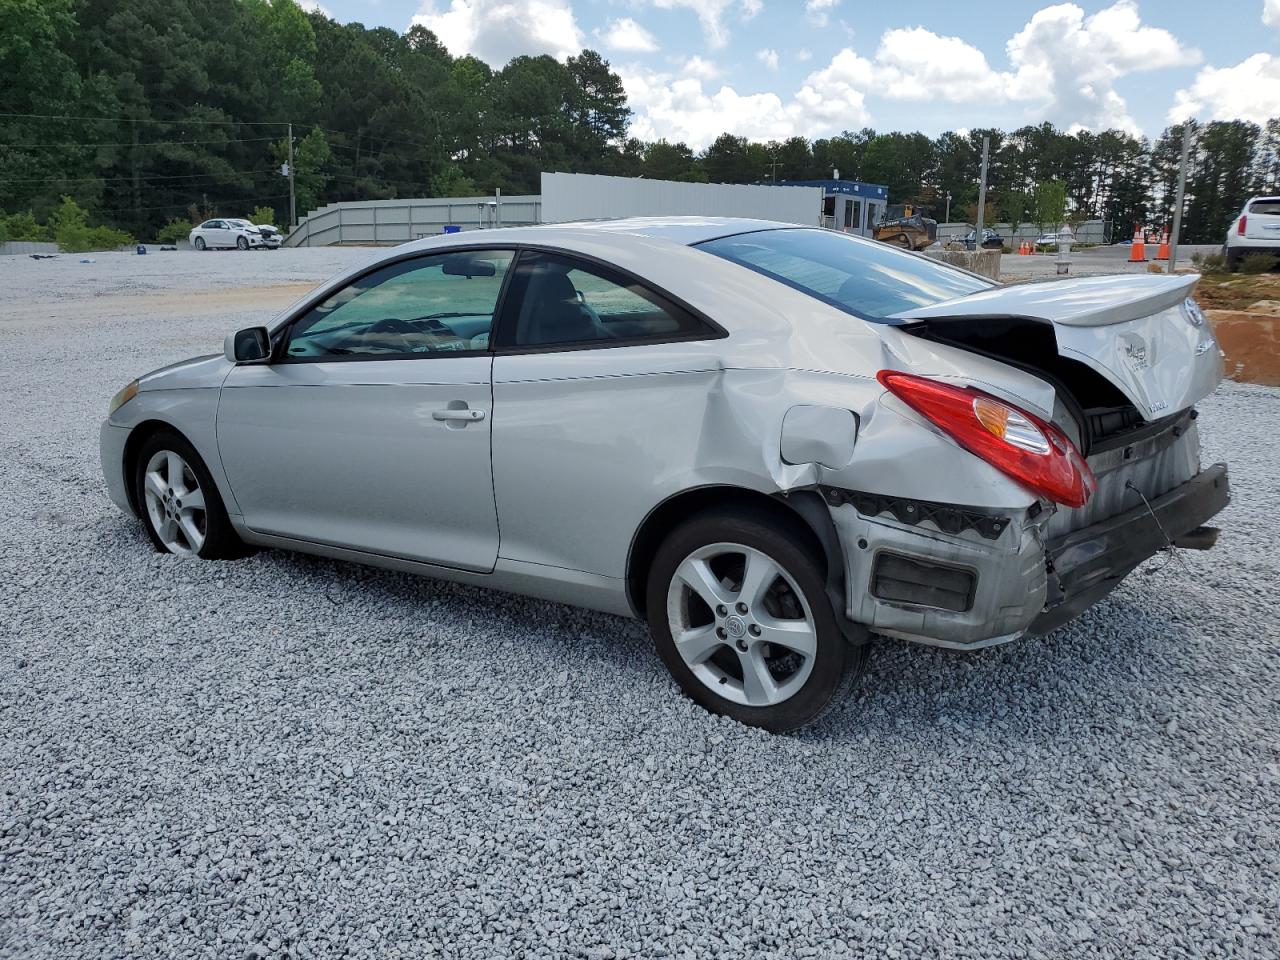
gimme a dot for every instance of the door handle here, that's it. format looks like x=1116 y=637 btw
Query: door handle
x=468 y=416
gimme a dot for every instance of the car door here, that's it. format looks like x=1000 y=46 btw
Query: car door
x=601 y=387
x=218 y=234
x=370 y=428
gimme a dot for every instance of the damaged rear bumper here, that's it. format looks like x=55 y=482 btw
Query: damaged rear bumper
x=1085 y=565
x=963 y=579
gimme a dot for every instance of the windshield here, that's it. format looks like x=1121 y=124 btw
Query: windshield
x=867 y=279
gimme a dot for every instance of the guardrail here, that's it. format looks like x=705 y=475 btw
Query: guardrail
x=388 y=222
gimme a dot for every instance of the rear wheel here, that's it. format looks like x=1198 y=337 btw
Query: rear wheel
x=739 y=613
x=199 y=244
x=180 y=505
x=903 y=241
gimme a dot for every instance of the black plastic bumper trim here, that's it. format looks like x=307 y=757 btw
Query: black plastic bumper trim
x=947 y=517
x=1086 y=564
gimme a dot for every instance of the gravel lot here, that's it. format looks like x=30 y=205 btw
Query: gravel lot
x=288 y=756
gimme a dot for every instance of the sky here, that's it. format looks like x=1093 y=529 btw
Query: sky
x=768 y=69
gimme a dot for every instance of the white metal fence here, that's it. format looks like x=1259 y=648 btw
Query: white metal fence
x=1089 y=231
x=583 y=196
x=386 y=222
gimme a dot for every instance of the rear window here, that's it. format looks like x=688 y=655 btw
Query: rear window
x=868 y=279
x=1265 y=208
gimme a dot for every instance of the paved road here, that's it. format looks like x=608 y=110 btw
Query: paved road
x=1094 y=260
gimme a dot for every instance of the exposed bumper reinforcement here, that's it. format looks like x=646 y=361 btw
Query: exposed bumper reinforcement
x=1086 y=564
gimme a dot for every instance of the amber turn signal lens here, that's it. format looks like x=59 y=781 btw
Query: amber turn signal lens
x=127 y=393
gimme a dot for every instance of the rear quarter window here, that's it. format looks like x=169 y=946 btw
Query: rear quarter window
x=1265 y=208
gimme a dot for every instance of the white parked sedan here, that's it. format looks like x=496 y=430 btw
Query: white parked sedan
x=229 y=233
x=768 y=441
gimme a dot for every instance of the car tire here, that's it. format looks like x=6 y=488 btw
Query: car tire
x=179 y=502
x=242 y=243
x=781 y=628
x=1233 y=260
x=200 y=245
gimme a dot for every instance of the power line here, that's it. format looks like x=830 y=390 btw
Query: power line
x=157 y=176
x=183 y=205
x=214 y=123
x=150 y=143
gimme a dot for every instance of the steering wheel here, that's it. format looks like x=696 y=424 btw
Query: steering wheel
x=402 y=329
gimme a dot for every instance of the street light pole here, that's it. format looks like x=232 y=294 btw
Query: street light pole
x=293 y=204
x=1182 y=185
x=982 y=190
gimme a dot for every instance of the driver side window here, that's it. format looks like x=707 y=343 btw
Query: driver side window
x=428 y=305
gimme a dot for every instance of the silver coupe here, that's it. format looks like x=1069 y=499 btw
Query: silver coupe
x=769 y=442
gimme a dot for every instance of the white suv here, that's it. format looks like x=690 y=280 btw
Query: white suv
x=1256 y=230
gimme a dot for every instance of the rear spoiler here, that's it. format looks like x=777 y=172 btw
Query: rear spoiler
x=1069 y=302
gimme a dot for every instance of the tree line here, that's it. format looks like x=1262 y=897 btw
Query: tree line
x=153 y=111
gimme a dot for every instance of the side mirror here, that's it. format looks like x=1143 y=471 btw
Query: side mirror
x=250 y=345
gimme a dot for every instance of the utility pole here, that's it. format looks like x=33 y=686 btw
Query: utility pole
x=947 y=218
x=293 y=203
x=773 y=170
x=1182 y=185
x=982 y=192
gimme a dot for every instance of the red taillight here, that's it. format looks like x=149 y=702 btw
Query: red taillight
x=1037 y=454
x=1244 y=220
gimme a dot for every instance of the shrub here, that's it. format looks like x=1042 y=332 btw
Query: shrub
x=175 y=231
x=108 y=238
x=1210 y=262
x=263 y=215
x=1257 y=263
x=70 y=229
x=23 y=226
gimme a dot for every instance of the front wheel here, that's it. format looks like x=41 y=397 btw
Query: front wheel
x=242 y=243
x=739 y=613
x=181 y=508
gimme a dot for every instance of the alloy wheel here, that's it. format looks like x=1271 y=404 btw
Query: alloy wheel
x=175 y=503
x=741 y=624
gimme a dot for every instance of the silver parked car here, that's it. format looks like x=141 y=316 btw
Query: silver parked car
x=767 y=441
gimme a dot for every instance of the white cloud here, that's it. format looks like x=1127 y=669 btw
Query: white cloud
x=700 y=68
x=1063 y=65
x=819 y=11
x=1248 y=91
x=498 y=30
x=678 y=109
x=803 y=55
x=627 y=35
x=1271 y=13
x=833 y=98
x=711 y=14
x=1071 y=63
x=313 y=6
x=769 y=58
x=916 y=64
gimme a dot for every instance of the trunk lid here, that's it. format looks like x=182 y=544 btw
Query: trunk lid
x=1135 y=331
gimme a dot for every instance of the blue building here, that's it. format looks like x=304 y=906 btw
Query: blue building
x=848 y=205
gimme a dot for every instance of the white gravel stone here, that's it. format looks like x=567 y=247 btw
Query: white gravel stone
x=292 y=757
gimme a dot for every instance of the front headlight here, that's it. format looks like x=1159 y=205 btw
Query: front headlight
x=127 y=393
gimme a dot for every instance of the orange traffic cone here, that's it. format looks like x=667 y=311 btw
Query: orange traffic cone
x=1022 y=248
x=1137 y=250
x=1162 y=252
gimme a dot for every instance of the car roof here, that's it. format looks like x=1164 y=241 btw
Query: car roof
x=685 y=231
